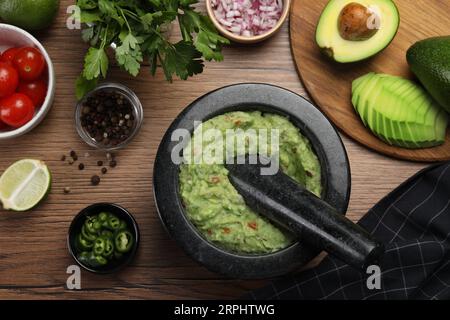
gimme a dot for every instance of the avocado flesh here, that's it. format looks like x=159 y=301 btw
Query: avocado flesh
x=333 y=45
x=429 y=60
x=398 y=111
x=399 y=95
x=412 y=104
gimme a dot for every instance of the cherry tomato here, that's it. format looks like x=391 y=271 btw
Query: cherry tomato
x=3 y=125
x=16 y=110
x=9 y=79
x=35 y=90
x=8 y=55
x=30 y=63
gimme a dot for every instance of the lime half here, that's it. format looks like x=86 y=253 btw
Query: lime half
x=24 y=184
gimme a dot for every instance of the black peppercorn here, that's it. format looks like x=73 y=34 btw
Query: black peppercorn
x=107 y=116
x=99 y=163
x=104 y=170
x=113 y=163
x=95 y=180
x=81 y=166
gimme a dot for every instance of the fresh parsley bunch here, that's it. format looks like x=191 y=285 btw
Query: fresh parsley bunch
x=135 y=28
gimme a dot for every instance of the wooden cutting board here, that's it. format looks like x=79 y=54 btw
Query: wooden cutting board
x=329 y=83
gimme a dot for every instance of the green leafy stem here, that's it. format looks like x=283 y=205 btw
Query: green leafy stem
x=135 y=28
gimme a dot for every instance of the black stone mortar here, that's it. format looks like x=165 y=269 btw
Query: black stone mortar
x=250 y=97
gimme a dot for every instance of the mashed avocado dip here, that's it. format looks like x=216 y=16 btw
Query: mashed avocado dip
x=218 y=210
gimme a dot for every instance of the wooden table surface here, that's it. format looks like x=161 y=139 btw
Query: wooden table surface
x=33 y=252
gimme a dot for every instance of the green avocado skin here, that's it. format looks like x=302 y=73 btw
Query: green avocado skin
x=31 y=15
x=429 y=60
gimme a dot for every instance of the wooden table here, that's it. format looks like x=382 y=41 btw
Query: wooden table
x=33 y=253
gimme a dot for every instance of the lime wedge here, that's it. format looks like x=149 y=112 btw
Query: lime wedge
x=24 y=184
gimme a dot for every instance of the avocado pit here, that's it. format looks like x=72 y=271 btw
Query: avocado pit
x=357 y=22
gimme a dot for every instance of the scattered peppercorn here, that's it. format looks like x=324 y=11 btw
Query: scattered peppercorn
x=104 y=170
x=63 y=157
x=99 y=163
x=81 y=166
x=66 y=190
x=73 y=154
x=113 y=163
x=95 y=180
x=70 y=161
x=107 y=116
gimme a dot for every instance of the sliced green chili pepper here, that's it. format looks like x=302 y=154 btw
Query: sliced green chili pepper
x=101 y=260
x=84 y=257
x=103 y=216
x=88 y=236
x=83 y=244
x=124 y=241
x=97 y=260
x=91 y=225
x=107 y=234
x=109 y=248
x=114 y=223
x=123 y=225
x=103 y=237
x=99 y=246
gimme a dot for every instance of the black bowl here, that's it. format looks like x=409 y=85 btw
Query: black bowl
x=121 y=213
x=247 y=97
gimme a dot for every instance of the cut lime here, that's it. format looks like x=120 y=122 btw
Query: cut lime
x=29 y=14
x=24 y=184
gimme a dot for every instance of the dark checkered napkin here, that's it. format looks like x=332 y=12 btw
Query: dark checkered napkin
x=414 y=223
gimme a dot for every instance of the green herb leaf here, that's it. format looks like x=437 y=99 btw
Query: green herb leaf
x=138 y=27
x=147 y=20
x=208 y=42
x=87 y=34
x=95 y=63
x=84 y=86
x=155 y=3
x=90 y=16
x=131 y=62
x=183 y=60
x=86 y=4
x=128 y=43
x=107 y=7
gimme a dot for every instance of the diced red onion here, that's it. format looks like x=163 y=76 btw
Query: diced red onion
x=247 y=17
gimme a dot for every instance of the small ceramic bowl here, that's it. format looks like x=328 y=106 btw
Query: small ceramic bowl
x=325 y=140
x=11 y=36
x=121 y=213
x=138 y=113
x=253 y=39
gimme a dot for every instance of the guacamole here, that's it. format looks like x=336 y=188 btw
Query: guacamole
x=217 y=209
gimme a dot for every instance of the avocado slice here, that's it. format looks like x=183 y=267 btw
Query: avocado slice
x=338 y=18
x=413 y=102
x=429 y=60
x=399 y=111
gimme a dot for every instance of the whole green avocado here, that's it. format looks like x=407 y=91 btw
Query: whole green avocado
x=429 y=60
x=31 y=15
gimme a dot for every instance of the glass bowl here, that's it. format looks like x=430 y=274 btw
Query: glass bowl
x=137 y=110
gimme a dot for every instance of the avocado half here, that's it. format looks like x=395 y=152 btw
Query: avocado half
x=330 y=40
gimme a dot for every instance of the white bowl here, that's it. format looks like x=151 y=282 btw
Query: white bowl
x=11 y=36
